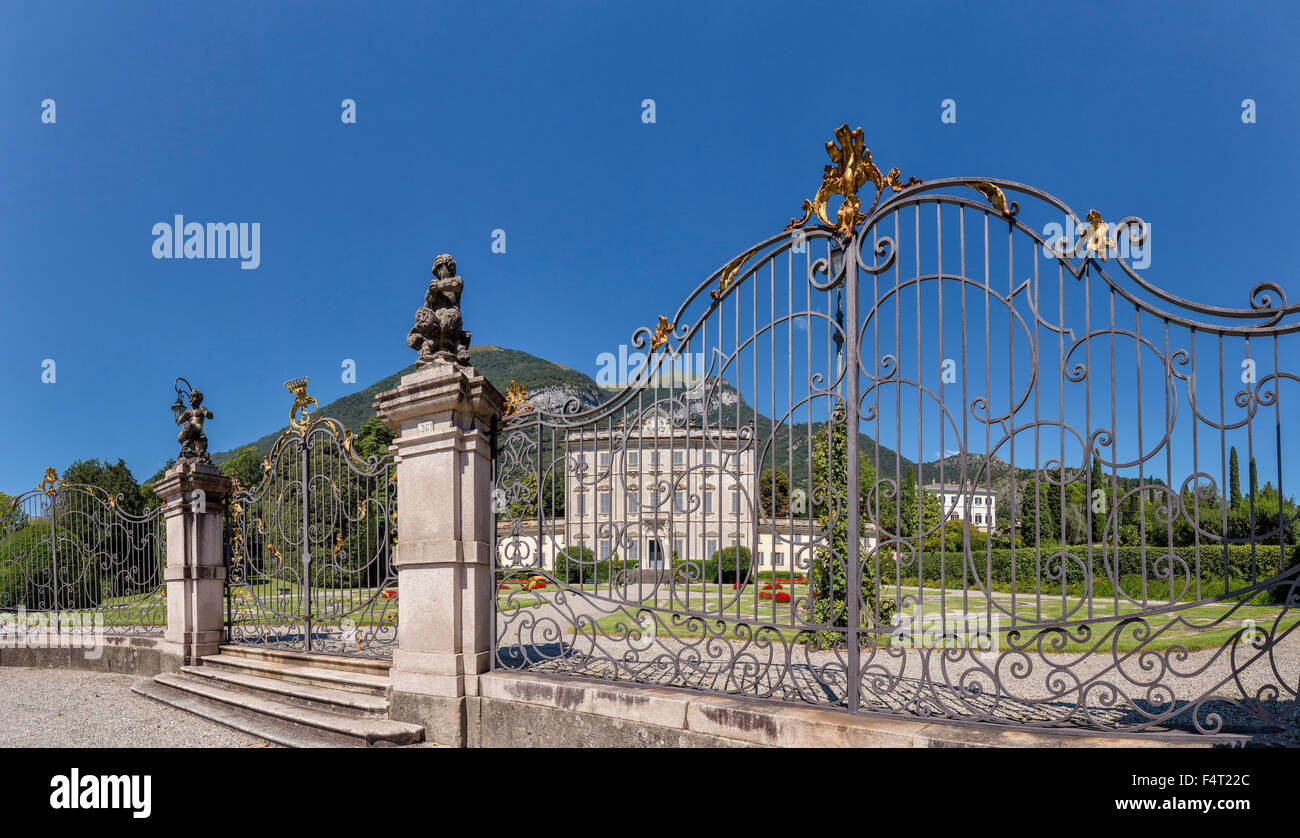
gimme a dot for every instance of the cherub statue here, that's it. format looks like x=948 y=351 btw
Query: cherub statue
x=194 y=442
x=437 y=334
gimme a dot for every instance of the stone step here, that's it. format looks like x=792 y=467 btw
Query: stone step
x=305 y=695
x=308 y=727
x=265 y=728
x=328 y=678
x=370 y=666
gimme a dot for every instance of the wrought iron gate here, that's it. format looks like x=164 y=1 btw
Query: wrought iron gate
x=72 y=559
x=310 y=547
x=1038 y=450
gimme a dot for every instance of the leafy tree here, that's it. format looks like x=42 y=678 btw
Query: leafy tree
x=908 y=493
x=373 y=439
x=114 y=478
x=774 y=493
x=11 y=517
x=931 y=513
x=955 y=535
x=829 y=580
x=245 y=465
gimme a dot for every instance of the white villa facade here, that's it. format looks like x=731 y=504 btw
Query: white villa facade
x=657 y=490
x=974 y=506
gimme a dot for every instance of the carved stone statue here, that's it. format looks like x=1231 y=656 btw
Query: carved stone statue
x=194 y=442
x=437 y=334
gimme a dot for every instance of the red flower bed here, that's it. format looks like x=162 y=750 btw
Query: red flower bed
x=765 y=595
x=389 y=594
x=767 y=587
x=537 y=586
x=782 y=597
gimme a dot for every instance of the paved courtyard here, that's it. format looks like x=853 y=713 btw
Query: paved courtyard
x=68 y=708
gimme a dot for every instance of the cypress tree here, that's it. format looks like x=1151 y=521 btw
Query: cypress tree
x=1234 y=479
x=1098 y=518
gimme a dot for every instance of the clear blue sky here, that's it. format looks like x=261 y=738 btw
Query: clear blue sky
x=527 y=118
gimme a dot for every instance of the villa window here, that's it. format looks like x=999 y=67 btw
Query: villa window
x=761 y=558
x=780 y=559
x=604 y=549
x=677 y=458
x=633 y=504
x=581 y=504
x=633 y=459
x=711 y=547
x=604 y=503
x=604 y=459
x=679 y=501
x=708 y=502
x=735 y=502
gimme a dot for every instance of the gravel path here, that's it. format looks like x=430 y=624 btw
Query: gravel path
x=70 y=708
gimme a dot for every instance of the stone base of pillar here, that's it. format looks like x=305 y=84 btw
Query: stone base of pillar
x=190 y=647
x=446 y=720
x=443 y=415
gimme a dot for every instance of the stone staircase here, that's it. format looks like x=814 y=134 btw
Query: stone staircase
x=288 y=698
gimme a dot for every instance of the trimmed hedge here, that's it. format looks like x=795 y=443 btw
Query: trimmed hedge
x=781 y=575
x=577 y=565
x=1028 y=567
x=728 y=566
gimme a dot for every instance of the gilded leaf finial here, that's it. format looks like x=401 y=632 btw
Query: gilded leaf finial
x=516 y=400
x=852 y=168
x=50 y=483
x=729 y=272
x=995 y=196
x=300 y=415
x=660 y=337
x=1098 y=241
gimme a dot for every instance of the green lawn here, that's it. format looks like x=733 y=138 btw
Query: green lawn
x=736 y=612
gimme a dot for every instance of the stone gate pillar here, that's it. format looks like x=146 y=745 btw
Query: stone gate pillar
x=443 y=414
x=193 y=495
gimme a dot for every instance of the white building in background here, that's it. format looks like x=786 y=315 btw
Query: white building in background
x=972 y=505
x=655 y=489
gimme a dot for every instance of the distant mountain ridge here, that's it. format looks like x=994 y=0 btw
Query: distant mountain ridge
x=549 y=386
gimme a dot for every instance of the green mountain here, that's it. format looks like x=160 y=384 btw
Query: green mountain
x=548 y=384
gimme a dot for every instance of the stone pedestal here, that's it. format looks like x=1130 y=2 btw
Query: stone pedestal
x=443 y=415
x=193 y=496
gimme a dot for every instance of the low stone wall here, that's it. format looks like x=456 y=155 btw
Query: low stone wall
x=113 y=653
x=515 y=710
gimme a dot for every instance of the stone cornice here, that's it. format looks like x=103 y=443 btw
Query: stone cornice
x=439 y=388
x=187 y=476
